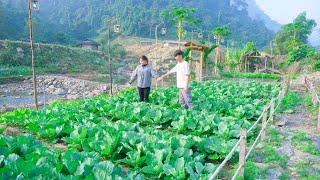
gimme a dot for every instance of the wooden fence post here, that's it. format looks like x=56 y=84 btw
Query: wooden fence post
x=272 y=109
x=264 y=124
x=318 y=126
x=306 y=83
x=242 y=152
x=314 y=96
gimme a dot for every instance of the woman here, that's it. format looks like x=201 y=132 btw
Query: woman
x=143 y=73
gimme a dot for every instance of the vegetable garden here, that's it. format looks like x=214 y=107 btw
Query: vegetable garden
x=109 y=137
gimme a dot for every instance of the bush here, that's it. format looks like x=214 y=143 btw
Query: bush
x=251 y=75
x=117 y=51
x=56 y=58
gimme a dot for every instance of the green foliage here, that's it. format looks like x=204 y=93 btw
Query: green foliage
x=309 y=104
x=249 y=47
x=290 y=101
x=82 y=19
x=272 y=156
x=186 y=54
x=221 y=32
x=49 y=58
x=25 y=157
x=158 y=139
x=298 y=30
x=180 y=16
x=63 y=38
x=298 y=50
x=315 y=59
x=117 y=51
x=275 y=137
x=7 y=71
x=306 y=170
x=233 y=58
x=252 y=171
x=208 y=51
x=251 y=75
x=304 y=143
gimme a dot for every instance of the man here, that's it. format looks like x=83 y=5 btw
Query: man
x=143 y=73
x=182 y=70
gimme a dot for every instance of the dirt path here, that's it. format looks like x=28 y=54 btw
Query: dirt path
x=298 y=145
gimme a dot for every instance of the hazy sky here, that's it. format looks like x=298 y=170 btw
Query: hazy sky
x=284 y=11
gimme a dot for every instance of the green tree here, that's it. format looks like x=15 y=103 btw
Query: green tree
x=298 y=30
x=220 y=33
x=233 y=58
x=249 y=47
x=298 y=51
x=180 y=16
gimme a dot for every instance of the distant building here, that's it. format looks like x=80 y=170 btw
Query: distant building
x=173 y=43
x=89 y=44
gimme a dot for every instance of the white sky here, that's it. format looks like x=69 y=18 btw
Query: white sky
x=284 y=11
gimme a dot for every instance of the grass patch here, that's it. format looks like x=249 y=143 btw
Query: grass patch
x=290 y=101
x=285 y=176
x=304 y=143
x=308 y=103
x=7 y=71
x=251 y=75
x=48 y=58
x=275 y=137
x=306 y=171
x=252 y=171
x=272 y=156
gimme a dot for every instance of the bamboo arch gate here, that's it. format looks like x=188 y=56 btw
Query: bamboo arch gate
x=266 y=117
x=315 y=99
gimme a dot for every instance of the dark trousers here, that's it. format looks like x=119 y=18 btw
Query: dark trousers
x=144 y=93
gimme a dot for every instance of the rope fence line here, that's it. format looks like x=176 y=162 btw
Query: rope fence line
x=315 y=98
x=241 y=143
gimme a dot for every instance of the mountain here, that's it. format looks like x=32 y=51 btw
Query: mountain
x=256 y=13
x=65 y=22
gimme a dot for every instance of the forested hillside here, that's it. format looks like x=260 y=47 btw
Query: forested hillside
x=65 y=22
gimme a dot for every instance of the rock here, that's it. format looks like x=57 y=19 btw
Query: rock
x=60 y=146
x=76 y=96
x=104 y=88
x=259 y=157
x=40 y=103
x=3 y=109
x=60 y=91
x=11 y=131
x=281 y=122
x=51 y=89
x=289 y=111
x=274 y=173
x=20 y=51
x=49 y=83
x=316 y=141
x=286 y=149
x=96 y=92
x=51 y=86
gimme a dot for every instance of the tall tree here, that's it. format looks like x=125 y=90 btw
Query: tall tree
x=220 y=33
x=298 y=30
x=180 y=16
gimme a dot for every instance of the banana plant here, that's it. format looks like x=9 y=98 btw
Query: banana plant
x=180 y=16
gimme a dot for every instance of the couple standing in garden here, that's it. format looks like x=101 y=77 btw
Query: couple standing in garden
x=144 y=73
